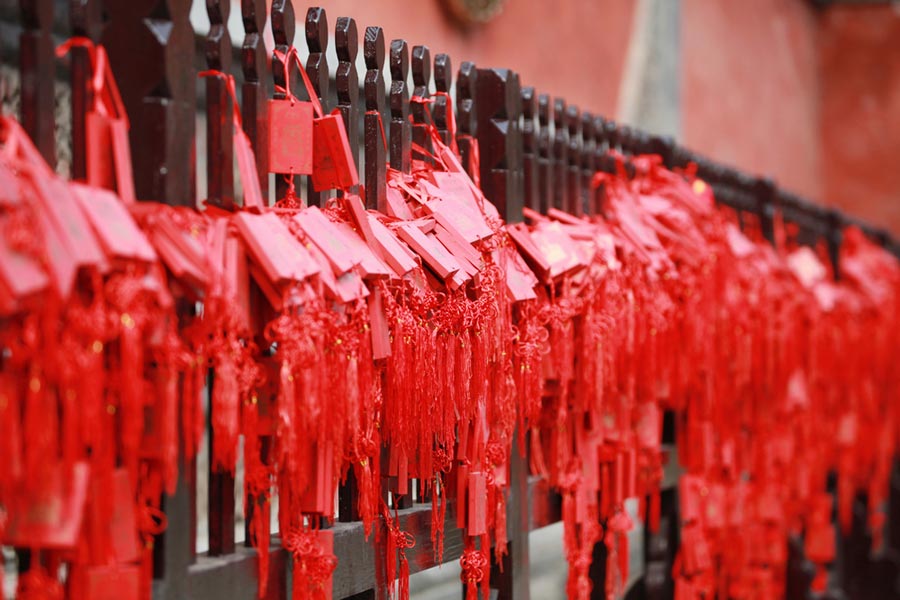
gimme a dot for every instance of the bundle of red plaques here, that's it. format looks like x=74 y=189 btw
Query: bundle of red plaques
x=426 y=343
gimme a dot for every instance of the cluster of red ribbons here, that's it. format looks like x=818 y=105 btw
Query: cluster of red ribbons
x=414 y=345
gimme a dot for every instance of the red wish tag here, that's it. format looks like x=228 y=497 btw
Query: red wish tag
x=237 y=277
x=108 y=155
x=62 y=265
x=108 y=150
x=57 y=199
x=395 y=204
x=290 y=137
x=557 y=248
x=271 y=244
x=243 y=151
x=291 y=123
x=370 y=265
x=20 y=273
x=319 y=498
x=530 y=252
x=453 y=206
x=395 y=253
x=112 y=518
x=113 y=224
x=381 y=334
x=350 y=287
x=246 y=162
x=431 y=251
x=326 y=236
x=105 y=582
x=333 y=164
x=477 y=521
x=820 y=542
x=51 y=514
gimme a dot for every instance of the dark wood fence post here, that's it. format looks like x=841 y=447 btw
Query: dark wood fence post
x=317 y=69
x=498 y=98
x=560 y=154
x=283 y=29
x=220 y=192
x=37 y=65
x=601 y=147
x=499 y=139
x=375 y=141
x=573 y=126
x=764 y=194
x=255 y=125
x=467 y=116
x=253 y=90
x=443 y=108
x=545 y=153
x=588 y=148
x=151 y=52
x=85 y=19
x=346 y=41
x=219 y=121
x=421 y=72
x=401 y=135
x=530 y=149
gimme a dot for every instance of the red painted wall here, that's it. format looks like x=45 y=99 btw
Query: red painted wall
x=810 y=97
x=860 y=112
x=750 y=87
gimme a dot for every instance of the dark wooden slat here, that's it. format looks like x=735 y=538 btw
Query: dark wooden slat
x=255 y=125
x=530 y=149
x=601 y=147
x=173 y=550
x=253 y=90
x=373 y=51
x=357 y=557
x=36 y=69
x=573 y=126
x=498 y=100
x=588 y=148
x=421 y=72
x=235 y=575
x=85 y=19
x=317 y=69
x=442 y=110
x=513 y=580
x=546 y=169
x=151 y=51
x=467 y=121
x=220 y=192
x=219 y=122
x=401 y=134
x=545 y=505
x=220 y=504
x=346 y=41
x=560 y=155
x=283 y=30
x=499 y=139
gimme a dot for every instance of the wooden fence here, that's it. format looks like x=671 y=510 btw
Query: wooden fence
x=536 y=150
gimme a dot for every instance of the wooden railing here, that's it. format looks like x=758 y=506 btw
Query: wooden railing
x=535 y=150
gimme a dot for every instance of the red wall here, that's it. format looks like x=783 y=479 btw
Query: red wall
x=810 y=97
x=860 y=112
x=750 y=87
